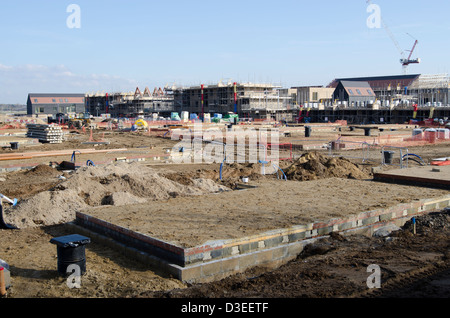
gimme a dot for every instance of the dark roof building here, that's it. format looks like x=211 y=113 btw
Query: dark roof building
x=424 y=90
x=381 y=83
x=354 y=93
x=52 y=104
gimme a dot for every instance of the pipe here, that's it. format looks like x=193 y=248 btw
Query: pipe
x=275 y=166
x=73 y=155
x=13 y=202
x=221 y=168
x=411 y=154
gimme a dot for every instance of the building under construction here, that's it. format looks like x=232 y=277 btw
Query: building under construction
x=245 y=99
x=131 y=104
x=359 y=100
x=396 y=100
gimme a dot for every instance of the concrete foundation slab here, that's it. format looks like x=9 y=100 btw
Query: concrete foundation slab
x=218 y=259
x=431 y=176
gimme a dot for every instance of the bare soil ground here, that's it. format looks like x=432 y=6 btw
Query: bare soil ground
x=411 y=265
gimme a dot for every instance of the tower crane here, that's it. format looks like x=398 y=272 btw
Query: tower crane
x=404 y=61
x=407 y=61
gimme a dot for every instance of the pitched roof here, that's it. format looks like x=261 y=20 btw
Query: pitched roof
x=380 y=82
x=56 y=98
x=55 y=95
x=358 y=88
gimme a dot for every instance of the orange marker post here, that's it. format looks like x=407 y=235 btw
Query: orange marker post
x=2 y=282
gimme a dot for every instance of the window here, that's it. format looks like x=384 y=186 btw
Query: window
x=350 y=91
x=54 y=100
x=369 y=92
x=60 y=100
x=35 y=100
x=315 y=95
x=359 y=92
x=66 y=100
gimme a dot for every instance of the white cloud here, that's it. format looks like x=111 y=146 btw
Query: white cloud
x=16 y=82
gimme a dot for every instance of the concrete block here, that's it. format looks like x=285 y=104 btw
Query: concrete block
x=217 y=253
x=230 y=264
x=211 y=268
x=247 y=260
x=188 y=274
x=324 y=230
x=386 y=217
x=264 y=256
x=294 y=237
x=294 y=249
x=280 y=253
x=370 y=220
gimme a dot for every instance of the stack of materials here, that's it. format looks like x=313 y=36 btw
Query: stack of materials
x=46 y=133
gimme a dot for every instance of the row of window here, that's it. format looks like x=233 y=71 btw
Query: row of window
x=359 y=92
x=62 y=109
x=61 y=100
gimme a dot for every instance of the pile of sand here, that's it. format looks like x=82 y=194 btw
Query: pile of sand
x=232 y=174
x=314 y=166
x=117 y=184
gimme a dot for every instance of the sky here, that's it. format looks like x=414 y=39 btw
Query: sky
x=119 y=45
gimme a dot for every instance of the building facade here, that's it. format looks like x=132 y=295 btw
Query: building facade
x=354 y=94
x=314 y=96
x=52 y=104
x=245 y=99
x=131 y=104
x=406 y=90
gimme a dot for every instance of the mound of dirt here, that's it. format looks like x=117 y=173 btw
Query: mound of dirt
x=116 y=184
x=42 y=170
x=231 y=174
x=314 y=166
x=428 y=223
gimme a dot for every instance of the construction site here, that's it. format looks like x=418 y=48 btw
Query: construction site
x=232 y=208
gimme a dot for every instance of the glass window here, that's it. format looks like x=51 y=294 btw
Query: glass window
x=54 y=100
x=358 y=91
x=351 y=92
x=35 y=100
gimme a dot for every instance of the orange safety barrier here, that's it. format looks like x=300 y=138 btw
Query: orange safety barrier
x=441 y=163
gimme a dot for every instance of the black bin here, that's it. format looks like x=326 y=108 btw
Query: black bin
x=14 y=145
x=308 y=131
x=388 y=157
x=71 y=251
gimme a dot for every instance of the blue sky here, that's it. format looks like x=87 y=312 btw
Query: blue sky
x=124 y=44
